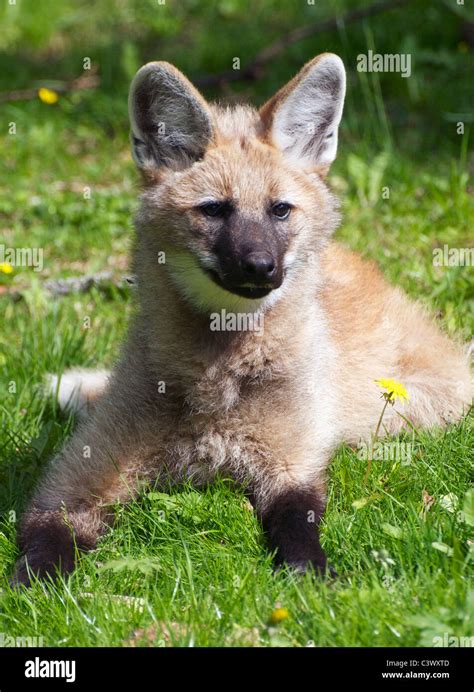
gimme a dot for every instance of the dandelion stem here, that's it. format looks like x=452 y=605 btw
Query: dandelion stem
x=374 y=438
x=387 y=401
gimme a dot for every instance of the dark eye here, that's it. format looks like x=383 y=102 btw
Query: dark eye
x=281 y=210
x=214 y=208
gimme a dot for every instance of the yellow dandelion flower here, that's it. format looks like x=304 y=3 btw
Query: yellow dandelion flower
x=48 y=96
x=278 y=615
x=393 y=390
x=6 y=268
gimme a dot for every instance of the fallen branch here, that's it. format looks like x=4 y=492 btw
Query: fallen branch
x=105 y=281
x=83 y=284
x=89 y=81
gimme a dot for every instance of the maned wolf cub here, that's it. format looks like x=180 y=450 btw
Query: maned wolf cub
x=235 y=221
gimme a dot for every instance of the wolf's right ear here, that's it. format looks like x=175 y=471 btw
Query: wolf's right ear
x=170 y=120
x=302 y=119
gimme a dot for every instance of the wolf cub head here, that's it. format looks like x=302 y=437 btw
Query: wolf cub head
x=234 y=198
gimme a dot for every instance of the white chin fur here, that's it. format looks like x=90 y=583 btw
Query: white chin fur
x=200 y=290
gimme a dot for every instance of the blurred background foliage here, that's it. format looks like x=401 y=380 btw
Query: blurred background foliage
x=45 y=41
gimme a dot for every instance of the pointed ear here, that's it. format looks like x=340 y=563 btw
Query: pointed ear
x=170 y=120
x=302 y=119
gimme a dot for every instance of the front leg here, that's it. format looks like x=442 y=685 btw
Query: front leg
x=49 y=540
x=107 y=460
x=291 y=523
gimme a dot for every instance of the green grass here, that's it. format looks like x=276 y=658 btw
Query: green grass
x=194 y=569
x=185 y=567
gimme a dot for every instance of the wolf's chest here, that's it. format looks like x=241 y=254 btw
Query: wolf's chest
x=218 y=387
x=208 y=445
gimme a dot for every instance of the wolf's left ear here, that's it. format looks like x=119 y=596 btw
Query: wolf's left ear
x=170 y=120
x=302 y=119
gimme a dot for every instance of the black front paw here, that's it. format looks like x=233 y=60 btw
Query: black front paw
x=291 y=525
x=48 y=547
x=40 y=563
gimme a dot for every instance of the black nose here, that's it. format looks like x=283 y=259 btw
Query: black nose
x=258 y=267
